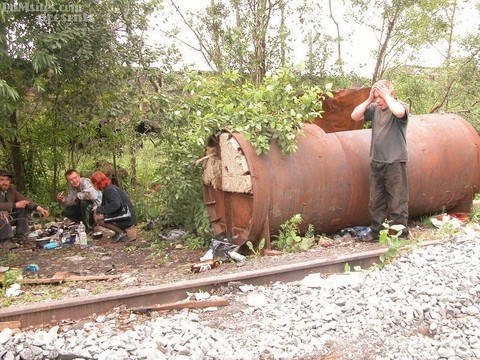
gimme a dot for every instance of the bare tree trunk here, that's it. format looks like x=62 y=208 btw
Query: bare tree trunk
x=259 y=40
x=239 y=23
x=338 y=40
x=16 y=155
x=133 y=162
x=217 y=39
x=378 y=72
x=283 y=34
x=310 y=63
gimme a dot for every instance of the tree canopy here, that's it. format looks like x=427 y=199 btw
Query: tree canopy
x=85 y=81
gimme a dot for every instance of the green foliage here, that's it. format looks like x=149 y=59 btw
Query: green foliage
x=447 y=229
x=288 y=238
x=274 y=111
x=10 y=277
x=194 y=242
x=426 y=221
x=8 y=258
x=257 y=251
x=394 y=243
x=475 y=214
x=310 y=231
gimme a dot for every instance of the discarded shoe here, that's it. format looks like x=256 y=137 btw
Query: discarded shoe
x=8 y=244
x=119 y=237
x=368 y=236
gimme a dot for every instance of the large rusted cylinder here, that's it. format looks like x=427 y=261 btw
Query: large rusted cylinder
x=327 y=179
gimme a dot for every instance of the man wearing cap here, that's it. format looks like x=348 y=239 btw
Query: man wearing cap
x=14 y=208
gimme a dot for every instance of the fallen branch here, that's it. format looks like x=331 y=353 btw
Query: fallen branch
x=191 y=304
x=60 y=279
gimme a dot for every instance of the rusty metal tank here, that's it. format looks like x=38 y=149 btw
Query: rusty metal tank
x=327 y=179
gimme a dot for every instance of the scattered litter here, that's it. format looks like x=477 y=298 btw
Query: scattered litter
x=204 y=295
x=33 y=267
x=172 y=235
x=238 y=258
x=13 y=290
x=355 y=231
x=4 y=269
x=51 y=245
x=221 y=248
x=208 y=255
x=456 y=220
x=220 y=245
x=204 y=266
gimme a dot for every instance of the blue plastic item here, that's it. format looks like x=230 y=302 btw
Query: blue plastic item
x=51 y=245
x=32 y=267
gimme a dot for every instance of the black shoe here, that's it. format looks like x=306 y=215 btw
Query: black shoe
x=119 y=237
x=368 y=236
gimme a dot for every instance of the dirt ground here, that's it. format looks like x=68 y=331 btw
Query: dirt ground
x=138 y=263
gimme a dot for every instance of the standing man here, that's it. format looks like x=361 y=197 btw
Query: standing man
x=14 y=209
x=80 y=199
x=388 y=154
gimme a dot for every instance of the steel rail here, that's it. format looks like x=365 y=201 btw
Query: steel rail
x=39 y=314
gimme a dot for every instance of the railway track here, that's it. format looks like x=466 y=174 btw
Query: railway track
x=35 y=315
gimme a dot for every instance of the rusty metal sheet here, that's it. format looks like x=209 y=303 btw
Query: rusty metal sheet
x=327 y=179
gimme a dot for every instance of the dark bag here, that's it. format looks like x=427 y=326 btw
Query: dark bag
x=124 y=215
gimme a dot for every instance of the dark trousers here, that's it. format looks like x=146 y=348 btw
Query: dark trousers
x=17 y=217
x=388 y=194
x=81 y=212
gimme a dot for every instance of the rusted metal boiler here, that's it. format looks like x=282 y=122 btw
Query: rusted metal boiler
x=327 y=179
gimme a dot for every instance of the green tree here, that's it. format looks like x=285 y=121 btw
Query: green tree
x=70 y=73
x=240 y=35
x=403 y=28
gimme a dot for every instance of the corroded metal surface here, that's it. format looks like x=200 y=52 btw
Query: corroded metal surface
x=337 y=110
x=326 y=180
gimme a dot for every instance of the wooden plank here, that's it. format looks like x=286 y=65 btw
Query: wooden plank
x=190 y=304
x=57 y=279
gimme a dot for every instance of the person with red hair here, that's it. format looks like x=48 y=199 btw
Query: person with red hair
x=113 y=201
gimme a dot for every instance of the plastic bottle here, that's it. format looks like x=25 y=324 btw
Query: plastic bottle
x=236 y=256
x=82 y=236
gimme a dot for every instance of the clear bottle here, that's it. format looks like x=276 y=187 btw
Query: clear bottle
x=82 y=236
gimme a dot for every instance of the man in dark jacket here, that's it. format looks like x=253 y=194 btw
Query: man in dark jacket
x=14 y=208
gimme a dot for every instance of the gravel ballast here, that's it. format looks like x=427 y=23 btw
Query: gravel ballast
x=424 y=305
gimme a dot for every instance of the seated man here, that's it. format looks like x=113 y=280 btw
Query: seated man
x=81 y=197
x=14 y=208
